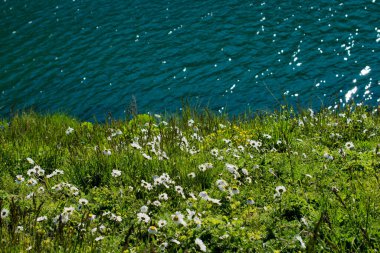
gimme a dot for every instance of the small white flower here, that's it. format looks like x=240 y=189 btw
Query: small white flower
x=144 y=209
x=42 y=218
x=233 y=169
x=39 y=171
x=203 y=167
x=214 y=152
x=116 y=218
x=143 y=217
x=204 y=195
x=156 y=203
x=163 y=246
x=148 y=157
x=83 y=202
x=178 y=219
x=99 y=238
x=68 y=210
x=201 y=245
x=163 y=196
x=116 y=173
x=192 y=195
x=146 y=185
x=328 y=156
x=91 y=216
x=59 y=172
x=191 y=175
x=280 y=189
x=191 y=213
x=250 y=201
x=197 y=221
x=74 y=191
x=102 y=228
x=267 y=136
x=32 y=182
x=179 y=190
x=235 y=190
x=107 y=152
x=152 y=230
x=19 y=229
x=349 y=145
x=31 y=172
x=19 y=179
x=30 y=160
x=175 y=241
x=69 y=130
x=215 y=201
x=255 y=144
x=30 y=195
x=4 y=213
x=299 y=238
x=136 y=145
x=41 y=190
x=222 y=184
x=225 y=236
x=161 y=223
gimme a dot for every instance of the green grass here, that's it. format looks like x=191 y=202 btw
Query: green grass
x=328 y=163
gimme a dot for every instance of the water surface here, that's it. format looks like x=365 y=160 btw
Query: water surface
x=88 y=58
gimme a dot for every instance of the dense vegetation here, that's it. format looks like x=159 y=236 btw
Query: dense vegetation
x=279 y=182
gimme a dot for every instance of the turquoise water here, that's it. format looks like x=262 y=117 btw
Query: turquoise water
x=89 y=58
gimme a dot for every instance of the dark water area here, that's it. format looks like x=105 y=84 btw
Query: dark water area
x=89 y=58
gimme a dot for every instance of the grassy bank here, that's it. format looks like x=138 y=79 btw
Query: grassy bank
x=276 y=182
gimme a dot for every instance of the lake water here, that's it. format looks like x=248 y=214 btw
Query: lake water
x=89 y=58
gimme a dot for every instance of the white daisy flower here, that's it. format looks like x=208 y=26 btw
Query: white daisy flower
x=214 y=152
x=152 y=230
x=99 y=238
x=143 y=217
x=175 y=241
x=250 y=201
x=83 y=201
x=204 y=195
x=179 y=190
x=42 y=218
x=144 y=209
x=349 y=145
x=32 y=182
x=19 y=229
x=178 y=219
x=31 y=172
x=328 y=156
x=19 y=179
x=280 y=189
x=156 y=203
x=116 y=173
x=107 y=152
x=4 y=213
x=191 y=175
x=299 y=238
x=30 y=160
x=69 y=130
x=161 y=223
x=200 y=244
x=235 y=190
x=163 y=196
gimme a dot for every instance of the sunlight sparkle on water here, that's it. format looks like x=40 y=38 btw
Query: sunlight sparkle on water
x=365 y=71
